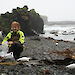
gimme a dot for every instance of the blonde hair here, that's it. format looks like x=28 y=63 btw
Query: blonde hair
x=15 y=24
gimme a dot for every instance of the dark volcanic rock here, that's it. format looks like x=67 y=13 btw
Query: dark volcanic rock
x=41 y=63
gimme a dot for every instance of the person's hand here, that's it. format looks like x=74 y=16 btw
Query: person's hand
x=16 y=42
x=10 y=42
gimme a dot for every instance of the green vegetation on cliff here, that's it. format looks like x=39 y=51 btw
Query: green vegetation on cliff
x=30 y=20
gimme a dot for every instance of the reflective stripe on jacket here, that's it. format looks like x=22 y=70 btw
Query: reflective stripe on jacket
x=21 y=39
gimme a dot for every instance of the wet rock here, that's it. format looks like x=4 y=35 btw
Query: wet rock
x=3 y=74
x=36 y=38
x=42 y=63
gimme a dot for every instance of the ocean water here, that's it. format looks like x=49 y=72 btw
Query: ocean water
x=60 y=32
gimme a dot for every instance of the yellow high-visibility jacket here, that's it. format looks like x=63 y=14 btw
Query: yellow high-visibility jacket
x=21 y=39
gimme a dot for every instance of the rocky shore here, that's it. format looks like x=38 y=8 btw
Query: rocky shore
x=42 y=62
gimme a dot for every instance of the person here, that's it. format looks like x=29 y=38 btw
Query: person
x=15 y=39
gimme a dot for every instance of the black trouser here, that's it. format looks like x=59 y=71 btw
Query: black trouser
x=16 y=49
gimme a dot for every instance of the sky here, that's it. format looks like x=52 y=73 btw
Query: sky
x=55 y=10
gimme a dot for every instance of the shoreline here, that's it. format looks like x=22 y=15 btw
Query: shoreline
x=36 y=46
x=41 y=64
